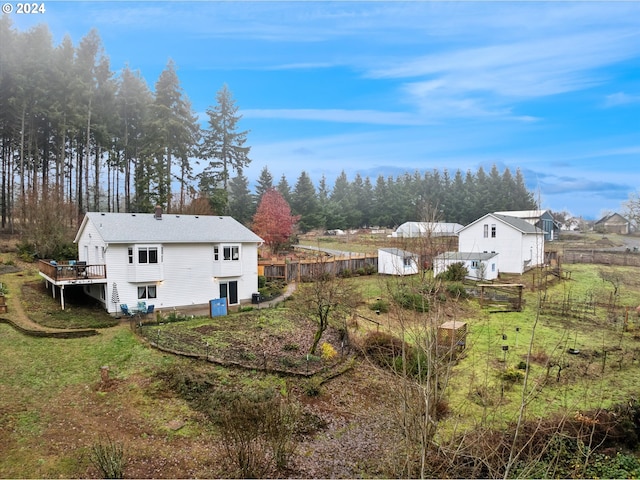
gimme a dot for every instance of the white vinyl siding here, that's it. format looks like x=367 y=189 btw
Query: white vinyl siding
x=185 y=273
x=518 y=251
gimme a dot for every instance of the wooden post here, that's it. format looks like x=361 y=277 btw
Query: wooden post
x=62 y=296
x=104 y=374
x=520 y=288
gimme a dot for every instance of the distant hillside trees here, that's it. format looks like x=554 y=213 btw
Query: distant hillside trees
x=395 y=200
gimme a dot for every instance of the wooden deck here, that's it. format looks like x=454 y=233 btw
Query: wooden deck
x=72 y=272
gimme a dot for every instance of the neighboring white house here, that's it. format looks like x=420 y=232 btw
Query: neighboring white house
x=423 y=229
x=540 y=218
x=168 y=260
x=520 y=244
x=479 y=265
x=395 y=261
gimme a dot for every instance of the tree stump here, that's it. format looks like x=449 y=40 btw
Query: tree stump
x=104 y=375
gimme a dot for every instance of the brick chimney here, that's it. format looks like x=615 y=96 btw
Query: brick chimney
x=157 y=214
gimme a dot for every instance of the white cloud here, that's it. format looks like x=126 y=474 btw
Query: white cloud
x=620 y=98
x=373 y=117
x=526 y=69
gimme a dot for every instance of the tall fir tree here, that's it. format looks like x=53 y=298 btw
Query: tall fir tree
x=264 y=183
x=241 y=205
x=176 y=130
x=284 y=188
x=304 y=203
x=223 y=145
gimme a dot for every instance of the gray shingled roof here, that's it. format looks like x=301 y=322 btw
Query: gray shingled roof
x=144 y=227
x=465 y=256
x=517 y=223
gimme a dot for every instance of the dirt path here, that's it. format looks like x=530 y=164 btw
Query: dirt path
x=16 y=312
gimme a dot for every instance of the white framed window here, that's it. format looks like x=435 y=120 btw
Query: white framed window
x=216 y=253
x=475 y=264
x=493 y=231
x=130 y=254
x=147 y=291
x=231 y=253
x=486 y=230
x=147 y=254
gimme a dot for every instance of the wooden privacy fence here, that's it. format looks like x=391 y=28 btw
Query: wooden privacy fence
x=630 y=258
x=299 y=270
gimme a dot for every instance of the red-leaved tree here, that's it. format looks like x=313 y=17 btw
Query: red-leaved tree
x=273 y=221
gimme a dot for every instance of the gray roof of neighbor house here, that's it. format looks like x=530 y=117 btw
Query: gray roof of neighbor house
x=398 y=252
x=524 y=213
x=170 y=228
x=611 y=216
x=515 y=222
x=463 y=256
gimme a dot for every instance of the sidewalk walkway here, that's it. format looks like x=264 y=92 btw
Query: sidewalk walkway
x=203 y=309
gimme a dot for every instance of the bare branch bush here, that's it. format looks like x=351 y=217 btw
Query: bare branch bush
x=258 y=434
x=326 y=298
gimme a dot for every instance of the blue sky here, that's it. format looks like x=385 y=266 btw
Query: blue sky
x=386 y=87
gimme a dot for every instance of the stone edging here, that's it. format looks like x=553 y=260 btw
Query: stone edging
x=49 y=333
x=228 y=363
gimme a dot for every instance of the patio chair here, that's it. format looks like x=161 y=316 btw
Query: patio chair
x=81 y=269
x=150 y=309
x=125 y=310
x=142 y=307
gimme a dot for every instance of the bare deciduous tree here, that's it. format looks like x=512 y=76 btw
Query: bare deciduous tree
x=326 y=298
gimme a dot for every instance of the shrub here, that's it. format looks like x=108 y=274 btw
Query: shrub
x=370 y=269
x=512 y=374
x=26 y=251
x=381 y=348
x=258 y=433
x=386 y=351
x=313 y=387
x=327 y=352
x=457 y=290
x=288 y=362
x=380 y=306
x=411 y=300
x=262 y=281
x=456 y=272
x=108 y=458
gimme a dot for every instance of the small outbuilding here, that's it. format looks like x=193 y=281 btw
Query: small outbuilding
x=479 y=265
x=453 y=334
x=427 y=229
x=395 y=261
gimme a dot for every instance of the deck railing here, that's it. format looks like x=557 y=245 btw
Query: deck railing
x=72 y=271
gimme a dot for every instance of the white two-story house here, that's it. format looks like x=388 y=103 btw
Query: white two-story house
x=167 y=260
x=519 y=244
